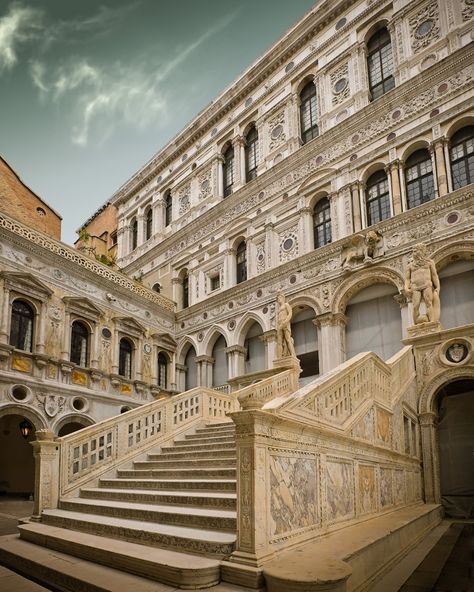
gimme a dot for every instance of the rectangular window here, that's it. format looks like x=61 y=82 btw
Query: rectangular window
x=215 y=282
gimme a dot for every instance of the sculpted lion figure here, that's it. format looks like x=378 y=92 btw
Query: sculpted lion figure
x=361 y=248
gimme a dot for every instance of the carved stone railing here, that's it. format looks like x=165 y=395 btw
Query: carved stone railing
x=83 y=456
x=256 y=395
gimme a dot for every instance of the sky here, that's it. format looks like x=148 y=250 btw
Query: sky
x=91 y=90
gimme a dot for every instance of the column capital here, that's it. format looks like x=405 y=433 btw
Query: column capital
x=239 y=349
x=331 y=319
x=401 y=299
x=204 y=358
x=269 y=336
x=428 y=418
x=305 y=210
x=238 y=141
x=394 y=165
x=441 y=141
x=181 y=367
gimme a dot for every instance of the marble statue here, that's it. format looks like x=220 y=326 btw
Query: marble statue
x=422 y=286
x=361 y=248
x=285 y=343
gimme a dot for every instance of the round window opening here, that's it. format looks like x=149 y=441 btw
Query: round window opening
x=106 y=333
x=40 y=212
x=19 y=393
x=288 y=244
x=425 y=28
x=78 y=404
x=340 y=85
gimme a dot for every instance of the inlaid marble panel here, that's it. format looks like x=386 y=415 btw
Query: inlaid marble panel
x=339 y=490
x=364 y=428
x=386 y=492
x=293 y=498
x=383 y=426
x=367 y=490
x=399 y=486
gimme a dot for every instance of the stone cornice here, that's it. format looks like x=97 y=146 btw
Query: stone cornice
x=260 y=190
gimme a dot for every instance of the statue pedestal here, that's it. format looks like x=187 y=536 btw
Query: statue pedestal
x=287 y=363
x=424 y=329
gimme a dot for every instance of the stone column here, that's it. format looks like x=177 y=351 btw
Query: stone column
x=192 y=285
x=177 y=292
x=239 y=162
x=121 y=243
x=66 y=336
x=230 y=268
x=334 y=211
x=204 y=370
x=432 y=152
x=356 y=215
x=441 y=173
x=306 y=229
x=220 y=175
x=271 y=244
x=393 y=167
x=95 y=349
x=40 y=337
x=46 y=455
x=180 y=376
x=363 y=209
x=428 y=422
x=403 y=189
x=141 y=228
x=402 y=301
x=270 y=340
x=115 y=351
x=294 y=122
x=447 y=160
x=158 y=215
x=138 y=360
x=344 y=211
x=236 y=360
x=332 y=346
x=5 y=320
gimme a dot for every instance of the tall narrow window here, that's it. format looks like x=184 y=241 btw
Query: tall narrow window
x=79 y=344
x=251 y=154
x=462 y=157
x=419 y=178
x=380 y=63
x=21 y=329
x=377 y=198
x=162 y=371
x=322 y=223
x=308 y=113
x=241 y=262
x=125 y=358
x=185 y=291
x=168 y=208
x=134 y=231
x=228 y=170
x=149 y=224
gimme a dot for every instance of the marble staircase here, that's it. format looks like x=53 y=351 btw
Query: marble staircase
x=170 y=518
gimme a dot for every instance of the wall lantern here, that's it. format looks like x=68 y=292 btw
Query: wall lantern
x=25 y=428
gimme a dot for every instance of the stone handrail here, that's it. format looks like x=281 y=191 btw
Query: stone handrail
x=402 y=366
x=83 y=456
x=255 y=396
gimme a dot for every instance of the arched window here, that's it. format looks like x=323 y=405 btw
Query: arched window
x=228 y=170
x=308 y=113
x=21 y=329
x=380 y=63
x=149 y=224
x=185 y=290
x=251 y=154
x=156 y=288
x=168 y=208
x=79 y=344
x=322 y=223
x=377 y=198
x=125 y=358
x=162 y=371
x=241 y=262
x=419 y=178
x=462 y=157
x=134 y=231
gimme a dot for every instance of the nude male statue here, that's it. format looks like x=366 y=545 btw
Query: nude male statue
x=285 y=344
x=422 y=285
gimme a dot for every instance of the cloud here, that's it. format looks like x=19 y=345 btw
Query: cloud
x=20 y=25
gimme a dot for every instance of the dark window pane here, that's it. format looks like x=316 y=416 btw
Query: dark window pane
x=21 y=329
x=162 y=371
x=134 y=234
x=251 y=154
x=308 y=113
x=419 y=178
x=377 y=198
x=228 y=171
x=322 y=223
x=380 y=64
x=79 y=344
x=168 y=209
x=149 y=224
x=125 y=358
x=462 y=157
x=185 y=291
x=241 y=262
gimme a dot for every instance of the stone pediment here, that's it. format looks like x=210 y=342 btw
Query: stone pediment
x=129 y=325
x=82 y=306
x=165 y=340
x=26 y=283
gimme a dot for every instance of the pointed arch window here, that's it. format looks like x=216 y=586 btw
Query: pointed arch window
x=377 y=197
x=308 y=113
x=241 y=262
x=251 y=154
x=322 y=223
x=228 y=170
x=168 y=208
x=134 y=231
x=149 y=224
x=162 y=371
x=462 y=157
x=380 y=63
x=79 y=344
x=125 y=358
x=21 y=327
x=419 y=178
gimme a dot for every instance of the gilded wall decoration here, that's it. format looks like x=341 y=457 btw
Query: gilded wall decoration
x=339 y=490
x=367 y=489
x=424 y=26
x=386 y=492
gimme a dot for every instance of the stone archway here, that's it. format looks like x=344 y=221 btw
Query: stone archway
x=17 y=463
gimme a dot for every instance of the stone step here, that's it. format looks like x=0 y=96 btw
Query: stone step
x=217 y=429
x=67 y=560
x=196 y=471
x=222 y=500
x=215 y=519
x=193 y=446
x=185 y=484
x=208 y=438
x=188 y=463
x=193 y=453
x=191 y=540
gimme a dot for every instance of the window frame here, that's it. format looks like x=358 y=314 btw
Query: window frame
x=134 y=233
x=379 y=198
x=324 y=224
x=251 y=154
x=417 y=182
x=125 y=369
x=149 y=224
x=308 y=97
x=21 y=317
x=467 y=158
x=162 y=368
x=241 y=266
x=80 y=323
x=228 y=170
x=380 y=40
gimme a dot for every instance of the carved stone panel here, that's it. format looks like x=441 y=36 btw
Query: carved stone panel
x=339 y=490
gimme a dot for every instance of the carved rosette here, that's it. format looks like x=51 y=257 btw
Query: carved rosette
x=184 y=198
x=340 y=86
x=424 y=26
x=288 y=244
x=276 y=130
x=205 y=183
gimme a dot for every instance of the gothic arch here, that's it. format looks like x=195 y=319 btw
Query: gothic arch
x=183 y=347
x=244 y=325
x=213 y=334
x=307 y=301
x=34 y=417
x=429 y=393
x=84 y=420
x=361 y=280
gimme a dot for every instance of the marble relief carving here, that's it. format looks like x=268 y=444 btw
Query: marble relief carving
x=386 y=493
x=399 y=486
x=293 y=501
x=424 y=26
x=383 y=426
x=364 y=428
x=367 y=489
x=339 y=490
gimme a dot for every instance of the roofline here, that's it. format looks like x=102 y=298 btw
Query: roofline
x=95 y=214
x=29 y=189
